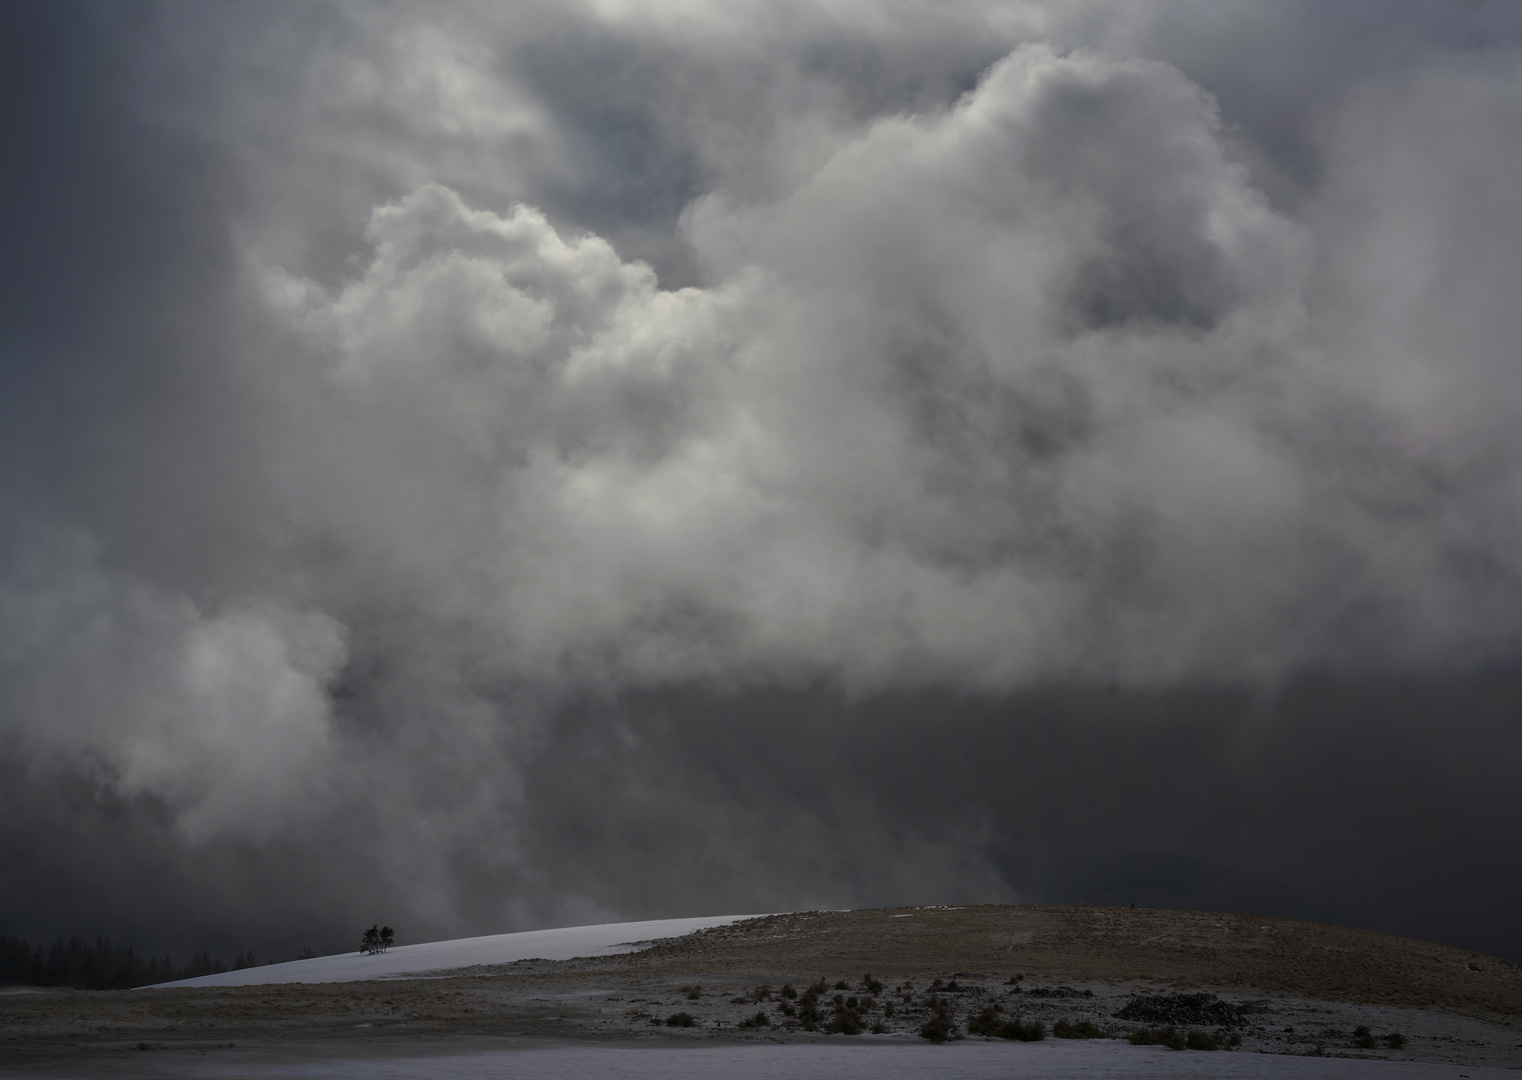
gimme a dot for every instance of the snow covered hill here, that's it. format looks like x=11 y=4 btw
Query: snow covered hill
x=562 y=943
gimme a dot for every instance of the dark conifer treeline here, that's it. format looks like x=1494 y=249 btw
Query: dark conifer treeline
x=103 y=967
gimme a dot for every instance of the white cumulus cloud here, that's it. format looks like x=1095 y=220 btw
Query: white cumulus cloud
x=1030 y=387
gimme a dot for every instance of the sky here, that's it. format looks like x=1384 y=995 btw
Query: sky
x=486 y=466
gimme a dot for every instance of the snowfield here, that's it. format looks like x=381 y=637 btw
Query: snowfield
x=562 y=943
x=871 y=1059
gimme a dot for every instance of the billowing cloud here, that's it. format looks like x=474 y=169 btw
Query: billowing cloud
x=1035 y=387
x=221 y=715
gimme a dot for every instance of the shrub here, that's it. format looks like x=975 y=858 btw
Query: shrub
x=760 y=1020
x=1363 y=1038
x=841 y=984
x=848 y=1019
x=845 y=1022
x=1202 y=1040
x=808 y=1009
x=1166 y=1036
x=1395 y=1040
x=871 y=985
x=1083 y=1029
x=1023 y=1031
x=986 y=1022
x=989 y=1023
x=693 y=992
x=938 y=1028
x=681 y=1019
x=787 y=991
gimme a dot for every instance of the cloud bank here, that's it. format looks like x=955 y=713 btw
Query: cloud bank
x=480 y=396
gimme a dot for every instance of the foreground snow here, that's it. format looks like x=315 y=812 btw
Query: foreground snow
x=866 y=1059
x=562 y=943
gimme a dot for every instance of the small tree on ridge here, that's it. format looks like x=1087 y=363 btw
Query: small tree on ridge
x=377 y=939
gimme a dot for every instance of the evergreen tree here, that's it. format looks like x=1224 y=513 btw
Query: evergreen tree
x=377 y=939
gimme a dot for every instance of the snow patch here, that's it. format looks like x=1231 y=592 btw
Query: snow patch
x=562 y=943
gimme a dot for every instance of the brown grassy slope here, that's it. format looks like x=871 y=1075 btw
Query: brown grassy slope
x=1183 y=949
x=65 y=1024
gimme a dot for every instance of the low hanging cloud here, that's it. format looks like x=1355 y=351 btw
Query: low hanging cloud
x=222 y=715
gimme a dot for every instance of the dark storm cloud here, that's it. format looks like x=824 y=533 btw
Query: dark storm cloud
x=381 y=532
x=1383 y=803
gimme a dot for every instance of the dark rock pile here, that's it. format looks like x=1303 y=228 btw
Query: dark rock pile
x=1053 y=992
x=1185 y=1009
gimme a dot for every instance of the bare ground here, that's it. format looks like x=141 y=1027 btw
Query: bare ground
x=1295 y=987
